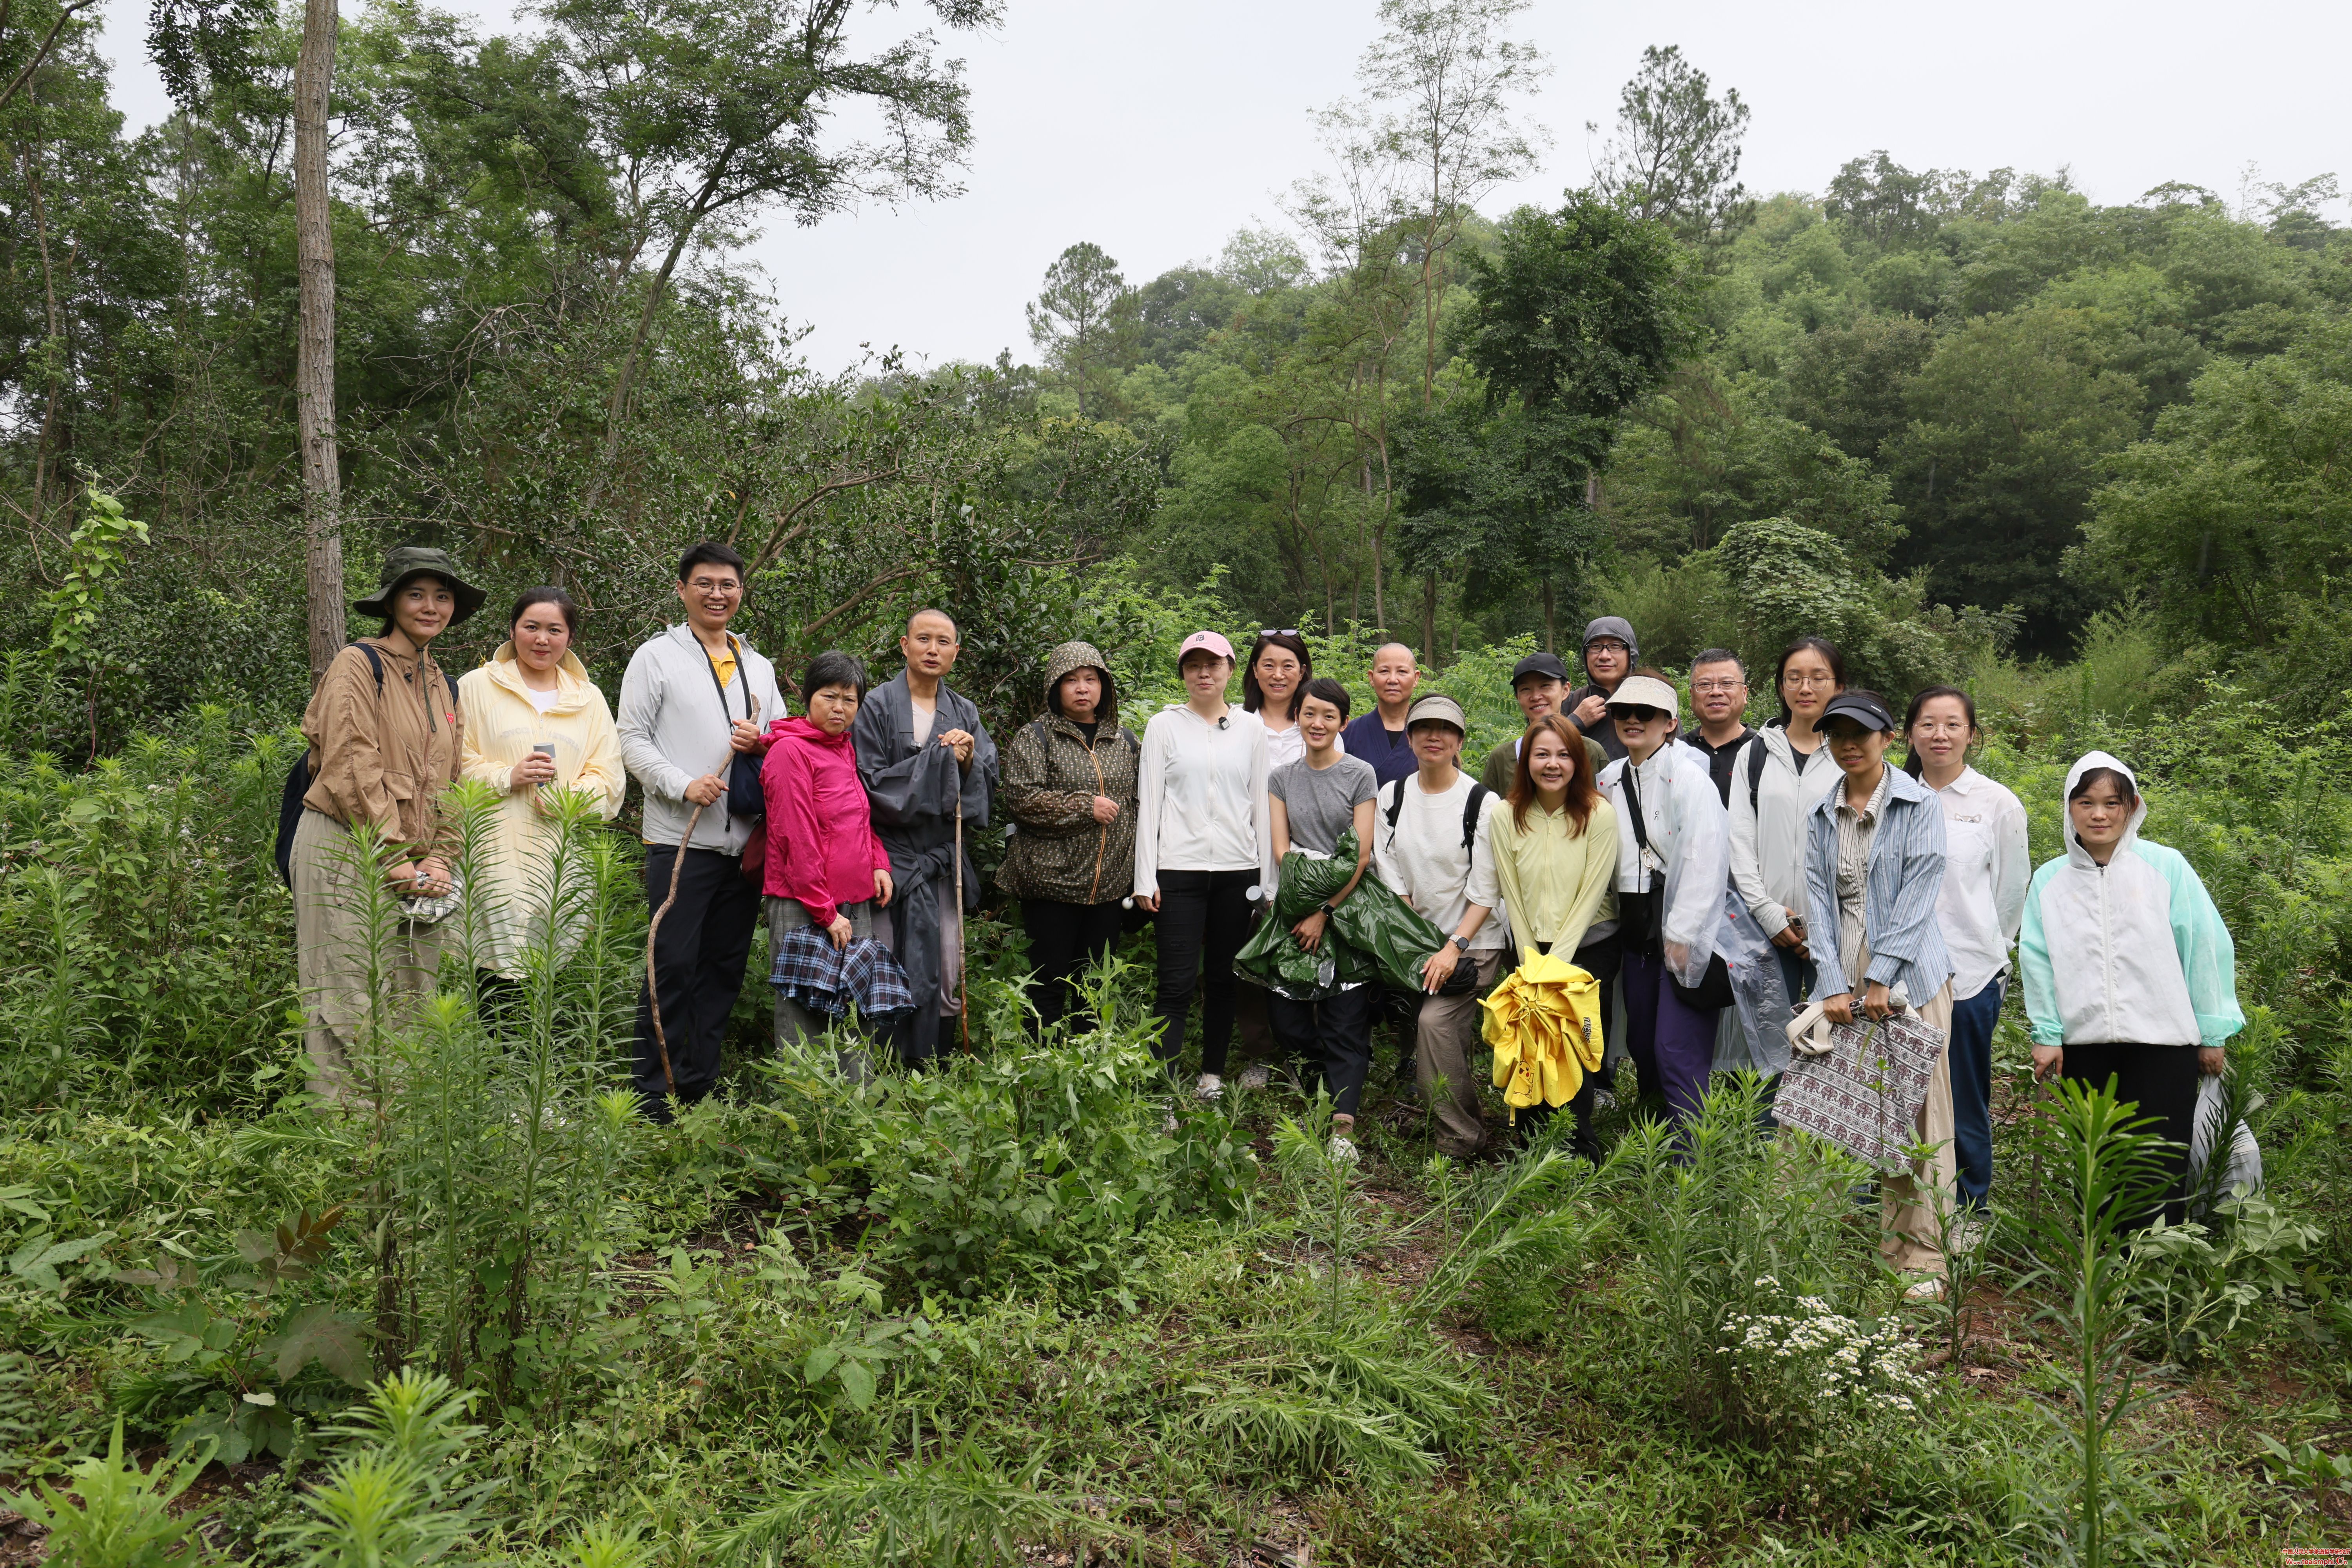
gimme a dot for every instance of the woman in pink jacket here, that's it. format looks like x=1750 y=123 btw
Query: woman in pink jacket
x=825 y=866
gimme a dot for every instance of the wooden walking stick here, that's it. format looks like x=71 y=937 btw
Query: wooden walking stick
x=963 y=1019
x=653 y=987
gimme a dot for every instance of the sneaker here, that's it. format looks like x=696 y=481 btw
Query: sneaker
x=1343 y=1149
x=1924 y=1290
x=1256 y=1076
x=1208 y=1086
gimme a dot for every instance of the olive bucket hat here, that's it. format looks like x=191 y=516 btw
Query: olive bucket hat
x=409 y=561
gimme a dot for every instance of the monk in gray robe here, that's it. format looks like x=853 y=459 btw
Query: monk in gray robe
x=920 y=749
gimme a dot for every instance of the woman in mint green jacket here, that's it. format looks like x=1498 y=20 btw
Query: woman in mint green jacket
x=2131 y=976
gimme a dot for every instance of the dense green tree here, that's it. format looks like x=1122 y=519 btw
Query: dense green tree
x=1572 y=320
x=1083 y=321
x=2010 y=421
x=1675 y=152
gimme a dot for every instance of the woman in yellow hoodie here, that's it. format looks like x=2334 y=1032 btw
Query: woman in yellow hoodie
x=534 y=723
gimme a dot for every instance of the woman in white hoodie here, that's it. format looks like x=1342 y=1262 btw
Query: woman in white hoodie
x=534 y=724
x=1774 y=788
x=2131 y=976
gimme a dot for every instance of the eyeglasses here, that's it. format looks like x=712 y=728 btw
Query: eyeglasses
x=1606 y=644
x=1808 y=680
x=1639 y=712
x=1708 y=686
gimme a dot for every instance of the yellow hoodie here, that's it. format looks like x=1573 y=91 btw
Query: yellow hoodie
x=501 y=726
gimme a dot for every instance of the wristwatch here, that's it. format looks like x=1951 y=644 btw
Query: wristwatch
x=1325 y=908
x=1461 y=943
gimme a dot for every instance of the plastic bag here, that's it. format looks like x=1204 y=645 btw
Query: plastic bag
x=1374 y=936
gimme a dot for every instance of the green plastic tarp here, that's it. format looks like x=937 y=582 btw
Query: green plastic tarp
x=1374 y=936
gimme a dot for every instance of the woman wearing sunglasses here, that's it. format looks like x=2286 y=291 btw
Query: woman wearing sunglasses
x=1672 y=854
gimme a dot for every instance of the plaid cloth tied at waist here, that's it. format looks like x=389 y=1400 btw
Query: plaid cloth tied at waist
x=832 y=981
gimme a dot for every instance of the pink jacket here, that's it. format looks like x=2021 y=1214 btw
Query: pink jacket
x=820 y=845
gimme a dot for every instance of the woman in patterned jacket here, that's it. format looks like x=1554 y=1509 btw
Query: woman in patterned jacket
x=1069 y=788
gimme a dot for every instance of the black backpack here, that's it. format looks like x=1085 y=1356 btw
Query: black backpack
x=298 y=783
x=1478 y=793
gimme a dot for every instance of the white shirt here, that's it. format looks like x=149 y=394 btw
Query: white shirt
x=1986 y=867
x=542 y=701
x=1201 y=801
x=1422 y=858
x=1284 y=747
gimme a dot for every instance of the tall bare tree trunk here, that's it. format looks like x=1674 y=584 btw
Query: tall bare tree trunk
x=1429 y=617
x=314 y=340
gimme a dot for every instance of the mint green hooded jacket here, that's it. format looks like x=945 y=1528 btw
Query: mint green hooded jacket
x=2131 y=952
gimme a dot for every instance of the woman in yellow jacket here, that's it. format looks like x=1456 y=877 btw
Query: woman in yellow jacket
x=534 y=723
x=1555 y=848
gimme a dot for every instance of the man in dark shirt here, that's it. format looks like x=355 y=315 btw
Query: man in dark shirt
x=1611 y=652
x=1719 y=697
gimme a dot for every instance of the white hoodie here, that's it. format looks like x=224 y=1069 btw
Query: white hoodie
x=2131 y=952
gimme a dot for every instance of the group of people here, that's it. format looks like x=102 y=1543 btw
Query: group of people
x=1615 y=831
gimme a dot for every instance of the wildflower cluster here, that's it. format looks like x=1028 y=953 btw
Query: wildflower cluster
x=1809 y=1365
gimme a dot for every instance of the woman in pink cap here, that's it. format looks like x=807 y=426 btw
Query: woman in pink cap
x=1203 y=844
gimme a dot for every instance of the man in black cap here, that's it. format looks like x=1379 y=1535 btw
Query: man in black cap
x=1539 y=682
x=1611 y=652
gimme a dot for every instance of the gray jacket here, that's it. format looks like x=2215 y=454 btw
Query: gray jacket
x=673 y=732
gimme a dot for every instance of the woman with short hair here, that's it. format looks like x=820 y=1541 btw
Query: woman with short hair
x=534 y=726
x=825 y=867
x=386 y=742
x=2131 y=979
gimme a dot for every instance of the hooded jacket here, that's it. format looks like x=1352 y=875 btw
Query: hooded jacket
x=822 y=848
x=1058 y=851
x=1604 y=734
x=501 y=725
x=673 y=724
x=2129 y=952
x=383 y=752
x=1686 y=825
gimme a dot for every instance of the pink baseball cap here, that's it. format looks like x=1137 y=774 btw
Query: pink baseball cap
x=1210 y=640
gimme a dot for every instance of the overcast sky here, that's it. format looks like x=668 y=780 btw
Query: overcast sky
x=1156 y=128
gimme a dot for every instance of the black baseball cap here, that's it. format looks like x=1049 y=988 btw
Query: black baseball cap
x=1862 y=707
x=1547 y=665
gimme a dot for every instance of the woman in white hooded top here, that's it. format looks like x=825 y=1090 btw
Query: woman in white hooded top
x=1775 y=786
x=1670 y=891
x=2130 y=974
x=534 y=724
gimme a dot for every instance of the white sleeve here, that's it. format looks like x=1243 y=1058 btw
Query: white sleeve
x=1384 y=858
x=2012 y=867
x=1262 y=809
x=1150 y=784
x=1698 y=891
x=1746 y=871
x=1483 y=890
x=640 y=715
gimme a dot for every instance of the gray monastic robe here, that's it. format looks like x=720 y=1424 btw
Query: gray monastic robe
x=914 y=791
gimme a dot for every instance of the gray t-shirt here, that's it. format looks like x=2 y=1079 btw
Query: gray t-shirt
x=1322 y=805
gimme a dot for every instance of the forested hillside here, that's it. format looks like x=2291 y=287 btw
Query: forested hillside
x=1957 y=414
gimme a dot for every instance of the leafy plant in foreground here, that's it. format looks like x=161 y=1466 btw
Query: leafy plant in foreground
x=119 y=1516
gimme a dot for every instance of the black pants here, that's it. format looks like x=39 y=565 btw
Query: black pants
x=698 y=957
x=1065 y=940
x=1204 y=919
x=1336 y=1032
x=2162 y=1081
x=1600 y=960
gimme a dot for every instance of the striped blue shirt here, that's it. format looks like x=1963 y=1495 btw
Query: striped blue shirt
x=1906 y=871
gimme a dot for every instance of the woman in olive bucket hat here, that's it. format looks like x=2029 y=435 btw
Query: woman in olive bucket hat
x=383 y=733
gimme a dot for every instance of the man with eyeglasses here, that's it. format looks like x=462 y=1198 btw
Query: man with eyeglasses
x=1610 y=651
x=1718 y=683
x=695 y=697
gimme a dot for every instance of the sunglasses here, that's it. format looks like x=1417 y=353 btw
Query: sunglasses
x=1640 y=713
x=1277 y=631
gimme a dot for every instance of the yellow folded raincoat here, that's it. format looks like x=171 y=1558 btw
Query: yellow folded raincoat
x=1544 y=1023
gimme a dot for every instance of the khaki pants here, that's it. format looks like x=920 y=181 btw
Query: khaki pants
x=1911 y=1231
x=1446 y=1032
x=331 y=959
